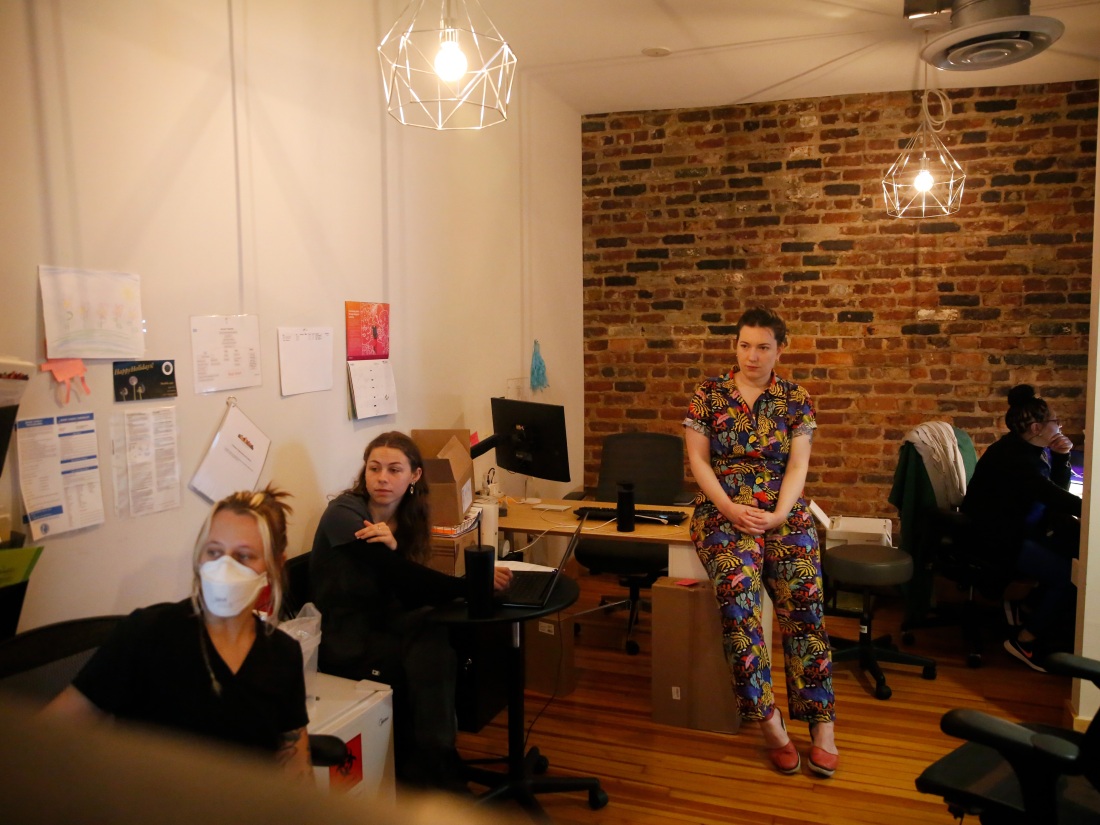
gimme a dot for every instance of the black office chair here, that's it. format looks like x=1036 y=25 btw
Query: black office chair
x=1008 y=773
x=296 y=593
x=958 y=552
x=38 y=664
x=654 y=462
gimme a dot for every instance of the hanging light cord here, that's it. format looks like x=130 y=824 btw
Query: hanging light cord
x=935 y=124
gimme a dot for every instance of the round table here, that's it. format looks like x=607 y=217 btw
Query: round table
x=523 y=777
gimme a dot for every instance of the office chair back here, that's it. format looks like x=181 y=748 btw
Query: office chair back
x=654 y=462
x=296 y=594
x=38 y=664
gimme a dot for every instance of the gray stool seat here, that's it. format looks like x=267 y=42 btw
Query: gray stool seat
x=867 y=566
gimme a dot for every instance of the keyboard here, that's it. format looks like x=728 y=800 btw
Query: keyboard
x=644 y=513
x=528 y=585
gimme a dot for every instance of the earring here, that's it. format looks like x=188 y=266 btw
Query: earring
x=412 y=489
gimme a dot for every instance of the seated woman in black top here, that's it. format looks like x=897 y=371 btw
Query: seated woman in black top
x=369 y=592
x=1019 y=498
x=208 y=665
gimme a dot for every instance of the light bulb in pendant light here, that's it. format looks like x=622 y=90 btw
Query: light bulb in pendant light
x=924 y=180
x=450 y=63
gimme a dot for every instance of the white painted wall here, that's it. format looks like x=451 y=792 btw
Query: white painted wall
x=1086 y=697
x=119 y=145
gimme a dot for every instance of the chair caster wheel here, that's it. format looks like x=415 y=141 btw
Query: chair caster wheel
x=541 y=766
x=974 y=660
x=597 y=799
x=883 y=691
x=908 y=638
x=928 y=672
x=632 y=648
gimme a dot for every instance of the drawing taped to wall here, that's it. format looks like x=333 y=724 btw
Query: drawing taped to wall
x=91 y=314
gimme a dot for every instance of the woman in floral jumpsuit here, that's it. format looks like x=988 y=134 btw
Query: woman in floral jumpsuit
x=748 y=436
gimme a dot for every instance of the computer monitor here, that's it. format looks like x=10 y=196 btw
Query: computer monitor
x=529 y=438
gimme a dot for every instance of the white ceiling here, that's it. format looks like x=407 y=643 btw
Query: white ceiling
x=740 y=51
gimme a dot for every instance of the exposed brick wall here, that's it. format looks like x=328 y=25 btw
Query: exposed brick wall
x=693 y=215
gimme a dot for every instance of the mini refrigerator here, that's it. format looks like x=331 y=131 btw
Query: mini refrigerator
x=360 y=713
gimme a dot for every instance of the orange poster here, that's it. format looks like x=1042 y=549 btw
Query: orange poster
x=368 y=330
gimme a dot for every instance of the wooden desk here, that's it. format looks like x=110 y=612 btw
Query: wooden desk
x=683 y=563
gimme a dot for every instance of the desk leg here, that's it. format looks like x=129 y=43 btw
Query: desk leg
x=522 y=780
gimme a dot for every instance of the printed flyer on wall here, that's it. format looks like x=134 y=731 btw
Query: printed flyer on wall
x=59 y=473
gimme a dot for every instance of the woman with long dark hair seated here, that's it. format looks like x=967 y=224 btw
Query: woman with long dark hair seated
x=369 y=579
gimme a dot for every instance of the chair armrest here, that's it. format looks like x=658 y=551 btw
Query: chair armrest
x=684 y=499
x=575 y=495
x=1066 y=664
x=1014 y=742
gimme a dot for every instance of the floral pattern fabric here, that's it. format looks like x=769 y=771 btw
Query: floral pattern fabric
x=749 y=448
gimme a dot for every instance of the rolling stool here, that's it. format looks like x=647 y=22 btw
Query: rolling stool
x=867 y=566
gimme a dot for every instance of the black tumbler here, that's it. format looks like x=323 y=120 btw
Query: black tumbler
x=624 y=510
x=480 y=560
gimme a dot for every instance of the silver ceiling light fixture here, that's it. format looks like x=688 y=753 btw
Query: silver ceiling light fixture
x=445 y=66
x=925 y=181
x=982 y=34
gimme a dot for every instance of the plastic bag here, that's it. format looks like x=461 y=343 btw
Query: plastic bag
x=306 y=628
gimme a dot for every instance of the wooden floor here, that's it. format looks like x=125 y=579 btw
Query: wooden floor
x=655 y=773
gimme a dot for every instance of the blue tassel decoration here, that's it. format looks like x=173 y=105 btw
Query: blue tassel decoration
x=538 y=370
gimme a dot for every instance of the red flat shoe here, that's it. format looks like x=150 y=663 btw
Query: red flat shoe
x=822 y=762
x=785 y=759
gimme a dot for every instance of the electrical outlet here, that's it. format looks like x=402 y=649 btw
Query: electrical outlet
x=676 y=693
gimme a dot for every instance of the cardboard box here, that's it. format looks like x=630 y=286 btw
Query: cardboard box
x=855 y=530
x=449 y=471
x=691 y=681
x=548 y=648
x=447 y=552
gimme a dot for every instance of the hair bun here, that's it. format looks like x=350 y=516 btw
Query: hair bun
x=1020 y=394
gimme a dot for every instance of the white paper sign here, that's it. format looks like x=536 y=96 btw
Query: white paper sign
x=145 y=458
x=372 y=388
x=225 y=352
x=234 y=460
x=305 y=359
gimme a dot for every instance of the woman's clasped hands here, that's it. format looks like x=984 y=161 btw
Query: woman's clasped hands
x=751 y=519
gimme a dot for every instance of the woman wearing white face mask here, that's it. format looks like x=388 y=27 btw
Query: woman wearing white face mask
x=208 y=665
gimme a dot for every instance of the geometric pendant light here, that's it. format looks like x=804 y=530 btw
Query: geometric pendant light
x=445 y=66
x=925 y=181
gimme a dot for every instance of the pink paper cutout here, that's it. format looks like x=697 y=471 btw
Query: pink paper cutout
x=64 y=371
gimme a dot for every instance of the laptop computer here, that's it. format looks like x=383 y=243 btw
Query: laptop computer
x=532 y=588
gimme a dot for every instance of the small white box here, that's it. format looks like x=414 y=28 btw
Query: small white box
x=855 y=530
x=360 y=713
